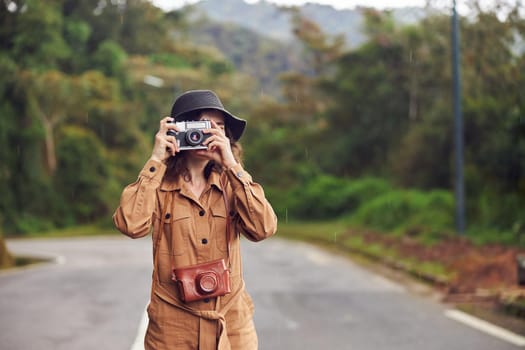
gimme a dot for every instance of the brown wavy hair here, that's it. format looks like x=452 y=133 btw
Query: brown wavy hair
x=177 y=165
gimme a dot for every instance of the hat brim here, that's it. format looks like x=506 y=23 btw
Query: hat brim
x=235 y=124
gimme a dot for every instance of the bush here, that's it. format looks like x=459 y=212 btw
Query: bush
x=497 y=210
x=408 y=211
x=28 y=223
x=327 y=197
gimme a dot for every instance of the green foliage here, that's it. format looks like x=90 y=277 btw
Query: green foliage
x=423 y=156
x=109 y=58
x=37 y=39
x=78 y=121
x=412 y=211
x=170 y=60
x=505 y=217
x=325 y=197
x=486 y=235
x=369 y=110
x=26 y=223
x=82 y=173
x=8 y=155
x=76 y=35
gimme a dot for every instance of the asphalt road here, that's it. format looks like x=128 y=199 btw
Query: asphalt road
x=94 y=296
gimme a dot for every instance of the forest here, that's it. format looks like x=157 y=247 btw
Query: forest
x=363 y=135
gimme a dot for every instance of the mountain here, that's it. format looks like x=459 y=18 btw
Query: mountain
x=273 y=21
x=258 y=40
x=251 y=53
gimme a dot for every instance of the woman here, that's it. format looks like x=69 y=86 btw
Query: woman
x=198 y=202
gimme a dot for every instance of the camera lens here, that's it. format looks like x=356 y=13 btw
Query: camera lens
x=194 y=137
x=207 y=282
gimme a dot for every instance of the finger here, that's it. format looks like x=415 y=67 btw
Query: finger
x=215 y=128
x=168 y=123
x=173 y=145
x=171 y=149
x=213 y=131
x=216 y=146
x=211 y=139
x=166 y=120
x=214 y=124
x=220 y=127
x=209 y=143
x=166 y=143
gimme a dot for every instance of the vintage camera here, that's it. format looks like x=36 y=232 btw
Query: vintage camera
x=190 y=135
x=205 y=280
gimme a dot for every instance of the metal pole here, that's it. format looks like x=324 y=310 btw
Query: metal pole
x=458 y=124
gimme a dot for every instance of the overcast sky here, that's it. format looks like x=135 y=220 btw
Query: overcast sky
x=338 y=4
x=346 y=4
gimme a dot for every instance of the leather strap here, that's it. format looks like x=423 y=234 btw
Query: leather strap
x=228 y=218
x=161 y=231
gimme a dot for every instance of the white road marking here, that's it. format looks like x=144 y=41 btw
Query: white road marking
x=486 y=327
x=138 y=344
x=60 y=260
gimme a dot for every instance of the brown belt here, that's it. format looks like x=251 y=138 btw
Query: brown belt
x=209 y=319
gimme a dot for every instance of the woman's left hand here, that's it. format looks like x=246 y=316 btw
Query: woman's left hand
x=219 y=148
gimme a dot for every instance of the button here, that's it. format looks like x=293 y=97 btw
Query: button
x=204 y=241
x=232 y=213
x=168 y=215
x=206 y=300
x=239 y=174
x=152 y=169
x=202 y=212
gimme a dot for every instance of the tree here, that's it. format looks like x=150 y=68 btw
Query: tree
x=49 y=98
x=369 y=113
x=423 y=158
x=32 y=33
x=322 y=50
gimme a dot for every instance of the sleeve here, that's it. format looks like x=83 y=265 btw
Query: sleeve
x=138 y=201
x=257 y=219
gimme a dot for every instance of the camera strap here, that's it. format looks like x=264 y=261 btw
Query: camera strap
x=228 y=219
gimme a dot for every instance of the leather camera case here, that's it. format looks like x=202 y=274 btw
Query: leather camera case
x=201 y=281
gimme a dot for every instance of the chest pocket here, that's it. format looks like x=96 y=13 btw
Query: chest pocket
x=178 y=226
x=219 y=227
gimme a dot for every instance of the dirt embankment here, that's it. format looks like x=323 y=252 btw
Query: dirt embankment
x=6 y=259
x=476 y=270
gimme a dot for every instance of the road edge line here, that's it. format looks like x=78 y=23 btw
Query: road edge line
x=486 y=327
x=138 y=344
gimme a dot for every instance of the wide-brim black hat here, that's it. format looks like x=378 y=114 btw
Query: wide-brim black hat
x=205 y=99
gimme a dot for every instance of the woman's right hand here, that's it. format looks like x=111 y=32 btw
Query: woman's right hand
x=165 y=145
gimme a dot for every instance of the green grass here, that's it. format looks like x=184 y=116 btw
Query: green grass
x=328 y=232
x=28 y=260
x=338 y=236
x=74 y=231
